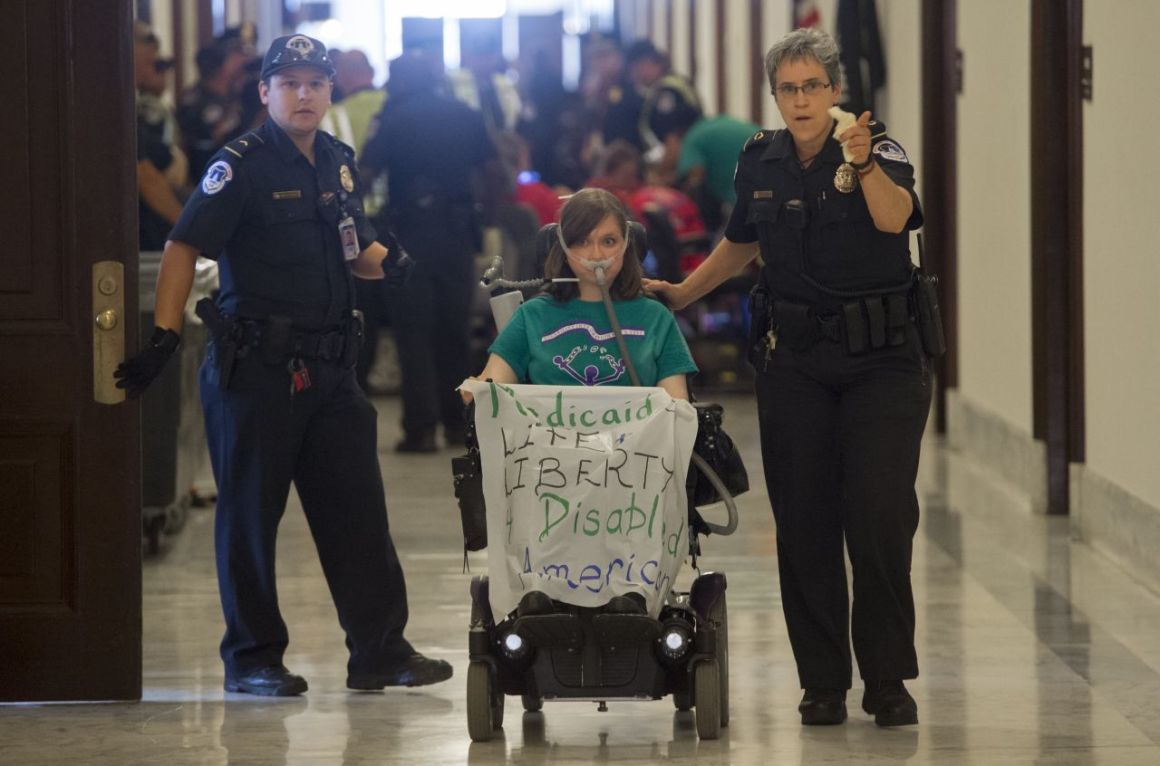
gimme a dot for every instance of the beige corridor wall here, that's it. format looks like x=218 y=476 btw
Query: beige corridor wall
x=1122 y=249
x=994 y=247
x=740 y=66
x=704 y=17
x=900 y=102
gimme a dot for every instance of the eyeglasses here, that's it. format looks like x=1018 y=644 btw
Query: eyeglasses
x=810 y=88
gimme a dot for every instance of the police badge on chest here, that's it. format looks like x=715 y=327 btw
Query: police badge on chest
x=845 y=178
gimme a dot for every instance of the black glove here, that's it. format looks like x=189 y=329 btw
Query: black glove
x=397 y=266
x=135 y=374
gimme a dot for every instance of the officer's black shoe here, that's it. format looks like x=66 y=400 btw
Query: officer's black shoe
x=273 y=681
x=890 y=703
x=535 y=602
x=823 y=707
x=629 y=603
x=416 y=670
x=417 y=442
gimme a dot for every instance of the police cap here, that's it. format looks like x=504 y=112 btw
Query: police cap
x=296 y=50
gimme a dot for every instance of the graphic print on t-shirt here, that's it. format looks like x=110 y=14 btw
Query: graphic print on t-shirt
x=592 y=362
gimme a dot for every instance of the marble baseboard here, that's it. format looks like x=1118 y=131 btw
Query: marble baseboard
x=1007 y=454
x=1116 y=523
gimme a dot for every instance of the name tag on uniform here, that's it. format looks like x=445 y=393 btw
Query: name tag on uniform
x=349 y=239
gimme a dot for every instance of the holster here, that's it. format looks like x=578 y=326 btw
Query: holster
x=760 y=323
x=355 y=333
x=927 y=314
x=227 y=334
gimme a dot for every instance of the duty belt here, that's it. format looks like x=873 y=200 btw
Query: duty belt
x=860 y=325
x=277 y=339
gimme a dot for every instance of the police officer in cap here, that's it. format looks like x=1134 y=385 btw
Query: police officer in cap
x=279 y=208
x=843 y=387
x=438 y=157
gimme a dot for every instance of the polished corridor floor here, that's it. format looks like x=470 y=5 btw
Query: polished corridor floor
x=1033 y=649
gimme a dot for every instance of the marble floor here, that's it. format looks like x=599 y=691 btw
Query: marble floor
x=1033 y=649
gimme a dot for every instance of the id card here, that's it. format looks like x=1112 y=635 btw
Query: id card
x=349 y=239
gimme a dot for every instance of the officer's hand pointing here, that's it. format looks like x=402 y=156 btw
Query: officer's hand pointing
x=856 y=140
x=135 y=374
x=397 y=266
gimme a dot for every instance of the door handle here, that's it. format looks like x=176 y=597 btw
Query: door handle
x=108 y=329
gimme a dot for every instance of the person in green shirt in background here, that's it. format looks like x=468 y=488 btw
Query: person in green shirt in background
x=708 y=159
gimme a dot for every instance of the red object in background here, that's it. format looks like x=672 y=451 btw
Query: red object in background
x=539 y=197
x=684 y=217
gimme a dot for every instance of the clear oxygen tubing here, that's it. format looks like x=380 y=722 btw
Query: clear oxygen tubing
x=730 y=526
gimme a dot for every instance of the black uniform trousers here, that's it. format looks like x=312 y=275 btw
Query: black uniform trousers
x=431 y=319
x=322 y=439
x=840 y=440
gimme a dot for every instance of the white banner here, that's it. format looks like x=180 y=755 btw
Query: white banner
x=585 y=491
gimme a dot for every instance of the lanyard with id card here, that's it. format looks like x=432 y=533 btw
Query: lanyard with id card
x=349 y=238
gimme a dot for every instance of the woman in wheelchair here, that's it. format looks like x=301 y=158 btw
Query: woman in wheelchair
x=565 y=336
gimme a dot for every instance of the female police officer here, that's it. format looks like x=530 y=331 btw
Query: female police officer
x=279 y=209
x=842 y=384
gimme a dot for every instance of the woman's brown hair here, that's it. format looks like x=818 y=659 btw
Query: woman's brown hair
x=582 y=213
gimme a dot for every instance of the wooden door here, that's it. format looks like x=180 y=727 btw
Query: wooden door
x=70 y=528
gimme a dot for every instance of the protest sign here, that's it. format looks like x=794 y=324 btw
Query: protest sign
x=585 y=490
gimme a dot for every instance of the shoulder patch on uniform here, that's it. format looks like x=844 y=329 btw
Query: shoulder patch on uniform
x=889 y=150
x=760 y=138
x=216 y=177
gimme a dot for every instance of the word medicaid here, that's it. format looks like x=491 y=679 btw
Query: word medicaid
x=568 y=415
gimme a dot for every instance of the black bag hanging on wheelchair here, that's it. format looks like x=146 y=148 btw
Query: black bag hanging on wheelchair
x=718 y=450
x=467 y=472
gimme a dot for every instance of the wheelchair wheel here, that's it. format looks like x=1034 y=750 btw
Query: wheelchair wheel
x=532 y=703
x=707 y=691
x=484 y=703
x=719 y=615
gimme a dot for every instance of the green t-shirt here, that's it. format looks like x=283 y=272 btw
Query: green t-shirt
x=715 y=143
x=550 y=343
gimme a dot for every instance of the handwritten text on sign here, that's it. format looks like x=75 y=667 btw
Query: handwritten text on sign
x=585 y=490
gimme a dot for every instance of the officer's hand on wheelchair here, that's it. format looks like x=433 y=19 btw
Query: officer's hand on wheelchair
x=666 y=292
x=136 y=373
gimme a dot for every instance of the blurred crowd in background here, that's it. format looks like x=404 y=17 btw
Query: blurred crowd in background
x=633 y=126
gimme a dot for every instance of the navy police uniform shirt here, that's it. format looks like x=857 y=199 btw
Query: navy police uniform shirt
x=839 y=246
x=271 y=220
x=428 y=144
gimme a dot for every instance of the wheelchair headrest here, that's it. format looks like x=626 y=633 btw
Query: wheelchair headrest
x=546 y=237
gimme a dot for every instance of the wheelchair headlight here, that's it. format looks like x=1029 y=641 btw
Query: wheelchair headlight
x=513 y=647
x=675 y=642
